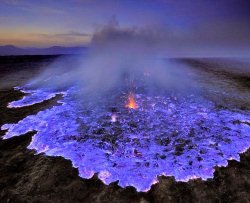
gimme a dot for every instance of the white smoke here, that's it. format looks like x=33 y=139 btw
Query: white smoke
x=114 y=53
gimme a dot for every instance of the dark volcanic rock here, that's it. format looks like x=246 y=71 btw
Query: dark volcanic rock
x=26 y=177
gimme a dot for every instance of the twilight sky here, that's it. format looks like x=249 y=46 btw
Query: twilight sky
x=197 y=24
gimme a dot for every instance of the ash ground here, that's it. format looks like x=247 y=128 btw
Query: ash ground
x=26 y=177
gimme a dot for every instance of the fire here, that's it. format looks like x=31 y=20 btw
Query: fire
x=131 y=102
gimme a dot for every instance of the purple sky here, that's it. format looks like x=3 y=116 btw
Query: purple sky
x=220 y=24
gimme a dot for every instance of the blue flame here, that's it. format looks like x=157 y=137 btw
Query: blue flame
x=184 y=137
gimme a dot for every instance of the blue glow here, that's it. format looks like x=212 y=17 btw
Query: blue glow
x=180 y=136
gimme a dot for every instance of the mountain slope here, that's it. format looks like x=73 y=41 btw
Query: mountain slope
x=13 y=50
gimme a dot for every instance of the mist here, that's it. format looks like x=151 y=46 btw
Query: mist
x=118 y=58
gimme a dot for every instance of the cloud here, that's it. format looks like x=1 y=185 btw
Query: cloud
x=48 y=10
x=44 y=39
x=33 y=7
x=69 y=38
x=9 y=2
x=178 y=27
x=69 y=34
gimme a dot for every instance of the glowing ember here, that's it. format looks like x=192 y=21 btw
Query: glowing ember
x=131 y=102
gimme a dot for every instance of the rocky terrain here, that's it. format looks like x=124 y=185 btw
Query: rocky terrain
x=28 y=177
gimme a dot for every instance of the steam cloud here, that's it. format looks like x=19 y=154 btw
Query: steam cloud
x=117 y=57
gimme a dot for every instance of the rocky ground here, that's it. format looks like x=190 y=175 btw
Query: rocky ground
x=27 y=177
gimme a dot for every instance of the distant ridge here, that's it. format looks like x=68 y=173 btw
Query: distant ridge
x=8 y=50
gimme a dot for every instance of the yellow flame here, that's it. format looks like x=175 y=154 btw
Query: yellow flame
x=131 y=102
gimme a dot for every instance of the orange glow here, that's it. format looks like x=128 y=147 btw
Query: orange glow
x=131 y=102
